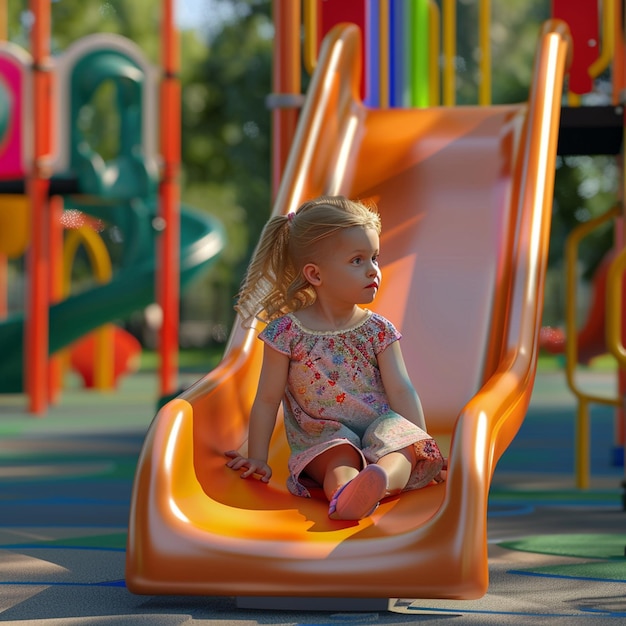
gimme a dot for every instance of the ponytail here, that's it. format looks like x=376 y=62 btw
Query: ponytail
x=265 y=285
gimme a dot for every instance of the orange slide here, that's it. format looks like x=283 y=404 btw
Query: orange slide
x=465 y=196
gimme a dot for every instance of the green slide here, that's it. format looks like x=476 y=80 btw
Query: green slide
x=131 y=289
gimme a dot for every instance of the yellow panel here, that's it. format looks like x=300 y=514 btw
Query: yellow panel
x=14 y=224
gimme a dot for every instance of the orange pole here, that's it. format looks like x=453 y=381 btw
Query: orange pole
x=168 y=272
x=36 y=327
x=619 y=81
x=286 y=83
x=618 y=73
x=4 y=261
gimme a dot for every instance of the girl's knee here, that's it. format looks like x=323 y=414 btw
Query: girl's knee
x=339 y=456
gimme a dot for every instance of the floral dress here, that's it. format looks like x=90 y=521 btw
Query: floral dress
x=335 y=396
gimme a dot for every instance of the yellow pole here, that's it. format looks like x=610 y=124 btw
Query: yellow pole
x=582 y=444
x=573 y=99
x=608 y=39
x=434 y=42
x=104 y=352
x=583 y=397
x=310 y=34
x=4 y=20
x=484 y=28
x=614 y=308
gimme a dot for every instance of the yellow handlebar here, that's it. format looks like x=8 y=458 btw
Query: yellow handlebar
x=608 y=39
x=571 y=263
x=614 y=296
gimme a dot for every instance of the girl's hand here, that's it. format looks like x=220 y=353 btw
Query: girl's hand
x=253 y=466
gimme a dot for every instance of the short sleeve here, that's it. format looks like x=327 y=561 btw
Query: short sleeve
x=280 y=335
x=384 y=333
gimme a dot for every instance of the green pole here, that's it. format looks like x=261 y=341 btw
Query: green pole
x=417 y=64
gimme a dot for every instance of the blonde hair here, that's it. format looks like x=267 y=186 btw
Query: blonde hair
x=274 y=284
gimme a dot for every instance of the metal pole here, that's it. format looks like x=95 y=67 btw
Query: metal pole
x=36 y=327
x=286 y=81
x=168 y=272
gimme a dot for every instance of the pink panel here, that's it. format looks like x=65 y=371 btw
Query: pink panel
x=11 y=151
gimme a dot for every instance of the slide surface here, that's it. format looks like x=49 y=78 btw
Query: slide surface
x=131 y=289
x=465 y=196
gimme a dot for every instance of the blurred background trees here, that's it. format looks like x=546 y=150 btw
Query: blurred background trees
x=226 y=53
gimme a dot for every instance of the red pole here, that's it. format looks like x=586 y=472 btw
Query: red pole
x=168 y=272
x=286 y=83
x=36 y=327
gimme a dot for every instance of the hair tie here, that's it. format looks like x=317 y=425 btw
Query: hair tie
x=291 y=216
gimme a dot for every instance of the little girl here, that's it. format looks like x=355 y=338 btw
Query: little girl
x=353 y=420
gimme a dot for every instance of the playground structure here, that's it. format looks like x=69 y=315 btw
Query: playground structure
x=604 y=329
x=49 y=169
x=465 y=194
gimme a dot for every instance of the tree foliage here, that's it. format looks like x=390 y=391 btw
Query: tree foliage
x=226 y=122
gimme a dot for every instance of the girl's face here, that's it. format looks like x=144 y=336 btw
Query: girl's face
x=348 y=266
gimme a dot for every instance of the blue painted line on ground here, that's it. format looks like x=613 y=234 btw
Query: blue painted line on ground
x=426 y=609
x=538 y=503
x=40 y=546
x=603 y=613
x=30 y=525
x=519 y=506
x=510 y=510
x=346 y=618
x=566 y=577
x=47 y=583
x=66 y=502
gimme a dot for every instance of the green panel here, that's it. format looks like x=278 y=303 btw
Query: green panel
x=124 y=175
x=5 y=111
x=417 y=64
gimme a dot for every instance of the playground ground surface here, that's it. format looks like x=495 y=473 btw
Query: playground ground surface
x=556 y=553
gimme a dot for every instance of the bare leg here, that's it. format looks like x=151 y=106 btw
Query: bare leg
x=335 y=467
x=398 y=466
x=340 y=465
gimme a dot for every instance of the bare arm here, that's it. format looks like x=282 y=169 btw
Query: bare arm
x=270 y=392
x=403 y=398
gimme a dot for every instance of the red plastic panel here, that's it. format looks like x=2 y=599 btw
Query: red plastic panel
x=333 y=12
x=582 y=18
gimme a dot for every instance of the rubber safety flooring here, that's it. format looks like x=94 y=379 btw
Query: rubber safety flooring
x=556 y=552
